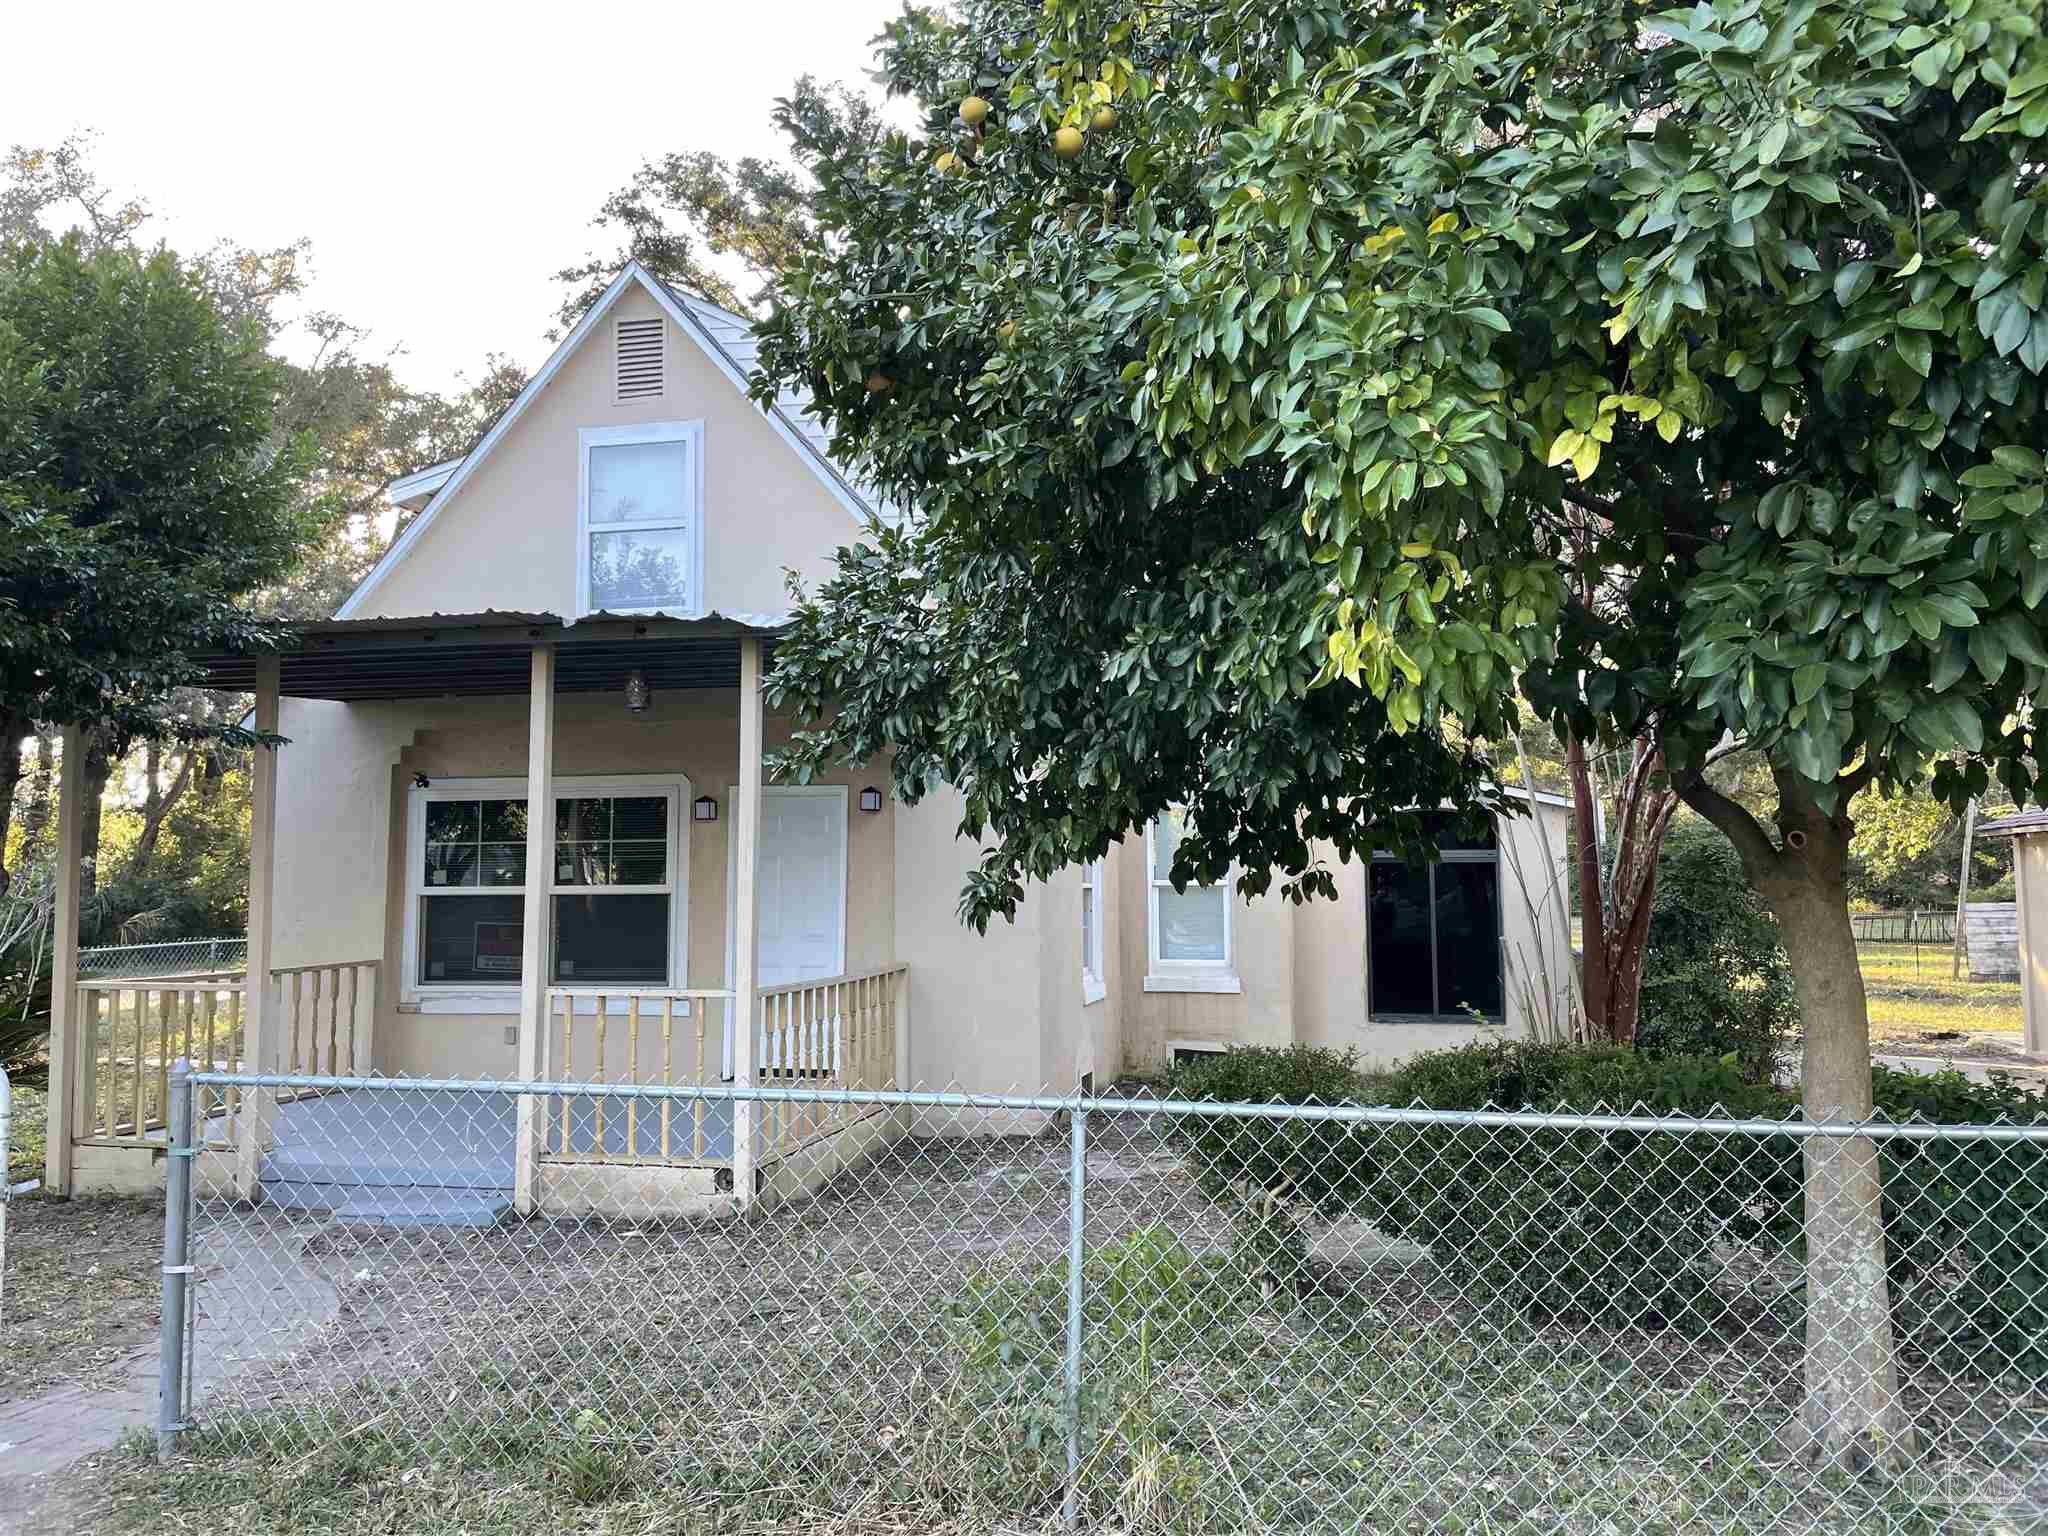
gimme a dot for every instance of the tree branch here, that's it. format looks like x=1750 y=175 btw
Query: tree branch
x=1759 y=853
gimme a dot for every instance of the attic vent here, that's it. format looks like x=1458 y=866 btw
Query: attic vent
x=638 y=364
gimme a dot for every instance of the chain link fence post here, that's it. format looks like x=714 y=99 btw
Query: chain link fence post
x=1077 y=1213
x=170 y=1415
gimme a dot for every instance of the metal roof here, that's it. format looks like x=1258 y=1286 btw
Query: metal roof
x=2015 y=826
x=356 y=660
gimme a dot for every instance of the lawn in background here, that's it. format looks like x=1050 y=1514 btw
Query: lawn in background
x=1913 y=994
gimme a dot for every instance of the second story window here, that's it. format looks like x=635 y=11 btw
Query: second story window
x=639 y=527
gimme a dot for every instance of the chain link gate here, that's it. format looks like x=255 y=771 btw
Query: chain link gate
x=1113 y=1314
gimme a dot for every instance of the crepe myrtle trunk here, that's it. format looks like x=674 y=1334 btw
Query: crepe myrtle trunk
x=1851 y=1415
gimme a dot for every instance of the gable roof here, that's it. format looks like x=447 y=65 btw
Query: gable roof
x=725 y=338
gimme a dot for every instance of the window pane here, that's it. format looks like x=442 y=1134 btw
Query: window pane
x=1165 y=838
x=450 y=864
x=640 y=863
x=586 y=820
x=451 y=821
x=622 y=939
x=640 y=570
x=504 y=821
x=640 y=818
x=583 y=864
x=504 y=864
x=630 y=482
x=1398 y=956
x=1191 y=924
x=1468 y=937
x=470 y=938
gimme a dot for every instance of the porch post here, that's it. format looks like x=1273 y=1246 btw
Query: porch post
x=67 y=1044
x=746 y=828
x=535 y=946
x=259 y=1020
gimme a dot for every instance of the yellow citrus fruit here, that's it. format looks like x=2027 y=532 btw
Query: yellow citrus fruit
x=1067 y=143
x=1006 y=330
x=1104 y=119
x=946 y=162
x=974 y=111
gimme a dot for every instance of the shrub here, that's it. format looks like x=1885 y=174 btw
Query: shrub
x=1613 y=1228
x=1716 y=981
x=1620 y=1229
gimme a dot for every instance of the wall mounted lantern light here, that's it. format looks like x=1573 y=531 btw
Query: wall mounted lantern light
x=704 y=808
x=637 y=695
x=870 y=800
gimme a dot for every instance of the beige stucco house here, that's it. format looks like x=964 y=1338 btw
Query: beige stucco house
x=520 y=831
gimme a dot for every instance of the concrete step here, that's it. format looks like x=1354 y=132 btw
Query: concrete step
x=423 y=1208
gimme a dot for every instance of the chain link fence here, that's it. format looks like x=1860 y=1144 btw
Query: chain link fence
x=1123 y=1315
x=172 y=957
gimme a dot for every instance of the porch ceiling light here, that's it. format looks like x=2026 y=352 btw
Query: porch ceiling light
x=704 y=808
x=870 y=800
x=637 y=695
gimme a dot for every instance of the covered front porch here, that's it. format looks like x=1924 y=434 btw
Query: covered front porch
x=536 y=927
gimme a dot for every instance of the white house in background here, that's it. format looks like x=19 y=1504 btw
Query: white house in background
x=521 y=821
x=2029 y=833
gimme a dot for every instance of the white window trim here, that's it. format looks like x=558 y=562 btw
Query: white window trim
x=471 y=998
x=691 y=518
x=1164 y=975
x=1093 y=987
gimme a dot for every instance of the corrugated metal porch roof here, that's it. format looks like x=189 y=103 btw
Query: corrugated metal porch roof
x=444 y=654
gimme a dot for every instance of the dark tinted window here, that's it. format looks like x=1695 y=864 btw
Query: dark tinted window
x=1398 y=964
x=1468 y=938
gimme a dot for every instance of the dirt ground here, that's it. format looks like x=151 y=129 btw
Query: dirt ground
x=83 y=1289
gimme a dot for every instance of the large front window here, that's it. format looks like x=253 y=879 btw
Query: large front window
x=1434 y=934
x=614 y=876
x=639 y=524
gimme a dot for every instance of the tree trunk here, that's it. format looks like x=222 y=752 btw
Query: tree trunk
x=158 y=806
x=1593 y=978
x=1615 y=903
x=1851 y=1416
x=99 y=767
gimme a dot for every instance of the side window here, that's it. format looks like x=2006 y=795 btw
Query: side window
x=1433 y=935
x=1189 y=935
x=1092 y=986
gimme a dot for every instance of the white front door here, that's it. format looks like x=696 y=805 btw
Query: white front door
x=801 y=885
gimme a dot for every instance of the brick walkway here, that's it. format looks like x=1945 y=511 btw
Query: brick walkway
x=279 y=1300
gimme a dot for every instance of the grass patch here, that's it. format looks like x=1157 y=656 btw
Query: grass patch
x=83 y=1290
x=889 y=1357
x=1912 y=993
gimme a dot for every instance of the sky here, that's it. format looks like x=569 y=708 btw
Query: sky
x=443 y=159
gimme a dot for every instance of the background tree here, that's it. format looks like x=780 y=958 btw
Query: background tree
x=684 y=210
x=1268 y=381
x=359 y=427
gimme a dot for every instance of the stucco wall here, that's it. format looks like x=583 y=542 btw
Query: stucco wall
x=975 y=1001
x=507 y=538
x=1303 y=968
x=343 y=789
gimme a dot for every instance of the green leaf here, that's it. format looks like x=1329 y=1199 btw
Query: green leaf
x=1808 y=680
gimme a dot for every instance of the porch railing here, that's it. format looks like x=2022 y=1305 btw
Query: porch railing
x=131 y=1030
x=634 y=1035
x=327 y=1014
x=839 y=1032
